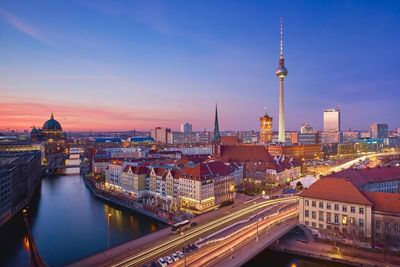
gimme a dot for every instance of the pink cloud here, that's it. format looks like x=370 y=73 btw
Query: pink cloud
x=22 y=114
x=21 y=25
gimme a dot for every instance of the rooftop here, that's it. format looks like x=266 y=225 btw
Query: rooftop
x=333 y=189
x=384 y=202
x=369 y=175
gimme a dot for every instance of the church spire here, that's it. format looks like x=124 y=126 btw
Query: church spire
x=217 y=136
x=52 y=116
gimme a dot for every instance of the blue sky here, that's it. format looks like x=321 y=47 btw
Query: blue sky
x=142 y=64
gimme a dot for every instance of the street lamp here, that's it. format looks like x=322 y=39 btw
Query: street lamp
x=108 y=230
x=257 y=224
x=183 y=247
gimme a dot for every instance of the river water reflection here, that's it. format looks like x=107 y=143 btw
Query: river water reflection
x=69 y=223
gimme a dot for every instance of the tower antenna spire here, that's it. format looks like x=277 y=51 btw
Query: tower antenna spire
x=281 y=41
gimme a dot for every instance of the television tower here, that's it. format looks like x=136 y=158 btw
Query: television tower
x=281 y=73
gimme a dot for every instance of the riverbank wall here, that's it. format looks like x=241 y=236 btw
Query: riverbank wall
x=115 y=200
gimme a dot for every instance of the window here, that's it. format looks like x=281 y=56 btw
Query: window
x=336 y=218
x=313 y=203
x=328 y=227
x=313 y=214
x=321 y=216
x=321 y=205
x=321 y=226
x=307 y=222
x=328 y=217
x=353 y=210
x=378 y=225
x=361 y=211
x=336 y=206
x=306 y=213
x=361 y=222
x=313 y=224
x=344 y=220
x=328 y=206
x=344 y=208
x=306 y=202
x=397 y=227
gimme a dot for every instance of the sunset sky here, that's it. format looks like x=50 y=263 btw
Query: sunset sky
x=107 y=65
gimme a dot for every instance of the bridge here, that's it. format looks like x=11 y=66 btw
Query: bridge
x=149 y=248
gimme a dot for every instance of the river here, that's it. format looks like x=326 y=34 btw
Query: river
x=68 y=223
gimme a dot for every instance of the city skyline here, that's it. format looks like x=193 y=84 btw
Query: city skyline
x=119 y=67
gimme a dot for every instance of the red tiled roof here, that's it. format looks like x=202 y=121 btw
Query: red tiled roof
x=205 y=170
x=364 y=176
x=385 y=202
x=136 y=169
x=334 y=189
x=229 y=140
x=245 y=153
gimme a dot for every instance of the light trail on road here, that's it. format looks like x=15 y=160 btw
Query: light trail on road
x=147 y=255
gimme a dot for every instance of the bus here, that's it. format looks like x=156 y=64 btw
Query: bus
x=181 y=226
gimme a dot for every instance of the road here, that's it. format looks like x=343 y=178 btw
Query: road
x=211 y=255
x=172 y=243
x=350 y=163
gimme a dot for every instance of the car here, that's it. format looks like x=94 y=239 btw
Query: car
x=193 y=247
x=154 y=264
x=162 y=262
x=179 y=253
x=193 y=224
x=175 y=257
x=168 y=259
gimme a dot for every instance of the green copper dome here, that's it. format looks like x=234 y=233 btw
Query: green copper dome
x=52 y=124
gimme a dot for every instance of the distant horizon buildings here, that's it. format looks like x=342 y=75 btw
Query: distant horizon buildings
x=379 y=130
x=186 y=127
x=306 y=129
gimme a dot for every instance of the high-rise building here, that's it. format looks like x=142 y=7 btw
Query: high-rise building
x=281 y=73
x=332 y=120
x=331 y=134
x=266 y=129
x=160 y=134
x=379 y=130
x=186 y=127
x=306 y=129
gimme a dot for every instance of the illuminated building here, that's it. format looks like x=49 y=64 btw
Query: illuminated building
x=205 y=185
x=52 y=135
x=281 y=73
x=331 y=133
x=20 y=174
x=266 y=129
x=303 y=152
x=306 y=129
x=379 y=130
x=160 y=134
x=351 y=137
x=332 y=120
x=336 y=207
x=186 y=127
